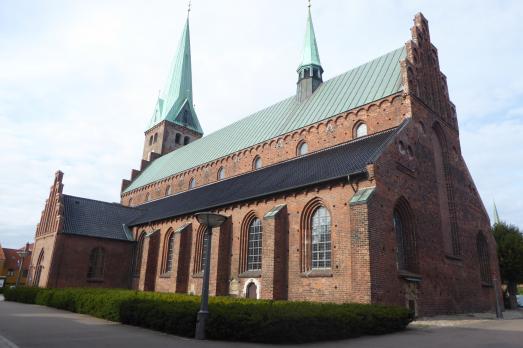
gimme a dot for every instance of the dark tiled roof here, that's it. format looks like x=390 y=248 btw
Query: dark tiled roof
x=322 y=166
x=92 y=218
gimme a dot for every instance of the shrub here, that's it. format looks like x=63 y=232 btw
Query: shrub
x=230 y=318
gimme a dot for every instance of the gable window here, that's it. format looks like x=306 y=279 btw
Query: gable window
x=96 y=264
x=192 y=183
x=483 y=256
x=257 y=163
x=403 y=223
x=169 y=252
x=321 y=239
x=360 y=130
x=186 y=140
x=303 y=149
x=221 y=173
x=254 y=251
x=155 y=138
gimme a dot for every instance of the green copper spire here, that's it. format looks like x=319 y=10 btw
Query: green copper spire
x=310 y=55
x=175 y=103
x=496 y=215
x=310 y=70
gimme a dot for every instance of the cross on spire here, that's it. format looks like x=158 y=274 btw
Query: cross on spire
x=310 y=4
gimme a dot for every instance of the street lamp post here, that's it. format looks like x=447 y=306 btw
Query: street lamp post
x=210 y=220
x=22 y=254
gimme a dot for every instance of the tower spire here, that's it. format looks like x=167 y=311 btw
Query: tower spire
x=310 y=70
x=175 y=104
x=496 y=215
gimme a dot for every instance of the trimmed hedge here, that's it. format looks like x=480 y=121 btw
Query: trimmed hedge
x=230 y=318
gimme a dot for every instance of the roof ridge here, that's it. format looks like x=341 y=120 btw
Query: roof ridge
x=100 y=201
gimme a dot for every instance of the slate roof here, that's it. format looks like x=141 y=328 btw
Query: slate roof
x=93 y=218
x=372 y=81
x=322 y=166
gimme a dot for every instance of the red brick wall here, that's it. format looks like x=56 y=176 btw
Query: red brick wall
x=71 y=262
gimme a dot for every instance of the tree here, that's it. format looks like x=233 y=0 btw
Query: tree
x=510 y=253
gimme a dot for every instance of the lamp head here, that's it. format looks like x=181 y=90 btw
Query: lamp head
x=210 y=219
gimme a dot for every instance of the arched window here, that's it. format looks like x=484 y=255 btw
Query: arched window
x=38 y=269
x=360 y=130
x=403 y=222
x=169 y=252
x=178 y=138
x=251 y=291
x=221 y=173
x=192 y=183
x=302 y=149
x=151 y=140
x=321 y=239
x=199 y=252
x=137 y=264
x=168 y=190
x=130 y=204
x=254 y=246
x=96 y=264
x=155 y=137
x=186 y=140
x=484 y=260
x=257 y=163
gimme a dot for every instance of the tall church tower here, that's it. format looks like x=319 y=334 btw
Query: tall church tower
x=310 y=70
x=174 y=122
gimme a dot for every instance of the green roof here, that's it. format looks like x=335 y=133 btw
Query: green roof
x=310 y=55
x=374 y=80
x=176 y=104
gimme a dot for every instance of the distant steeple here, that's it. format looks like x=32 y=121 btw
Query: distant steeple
x=496 y=215
x=310 y=70
x=175 y=103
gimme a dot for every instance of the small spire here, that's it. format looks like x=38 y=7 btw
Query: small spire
x=189 y=8
x=496 y=215
x=309 y=5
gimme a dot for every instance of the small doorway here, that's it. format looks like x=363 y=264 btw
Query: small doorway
x=252 y=290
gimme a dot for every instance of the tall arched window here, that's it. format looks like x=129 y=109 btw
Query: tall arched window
x=138 y=255
x=168 y=190
x=199 y=252
x=360 y=130
x=192 y=183
x=257 y=163
x=221 y=173
x=254 y=246
x=151 y=140
x=484 y=260
x=302 y=149
x=38 y=269
x=186 y=140
x=130 y=204
x=321 y=239
x=403 y=222
x=169 y=252
x=178 y=138
x=155 y=138
x=147 y=197
x=96 y=264
x=448 y=214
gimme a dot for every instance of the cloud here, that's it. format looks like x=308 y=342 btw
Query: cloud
x=79 y=80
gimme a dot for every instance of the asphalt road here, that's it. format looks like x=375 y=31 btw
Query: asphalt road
x=35 y=326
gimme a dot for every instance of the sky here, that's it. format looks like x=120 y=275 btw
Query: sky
x=79 y=81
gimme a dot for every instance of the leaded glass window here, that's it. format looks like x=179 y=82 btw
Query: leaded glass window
x=321 y=239
x=254 y=251
x=170 y=253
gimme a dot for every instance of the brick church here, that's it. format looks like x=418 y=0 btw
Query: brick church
x=352 y=189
